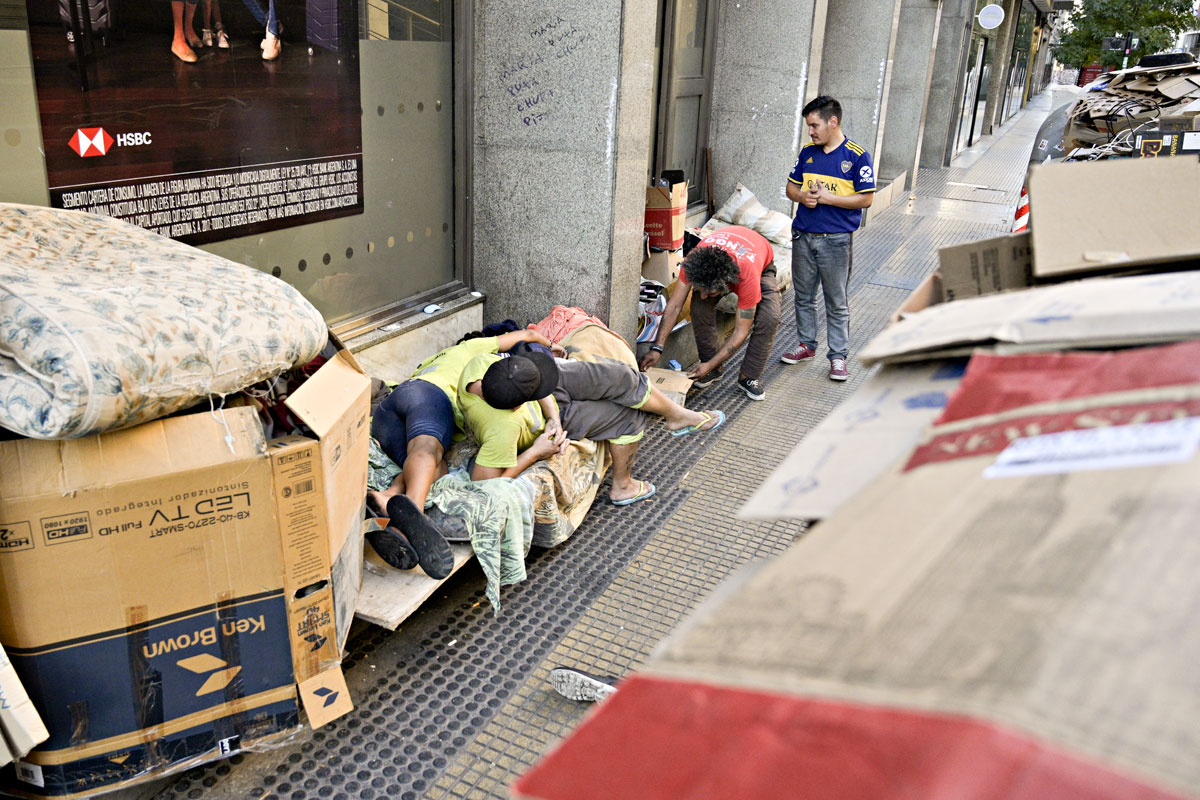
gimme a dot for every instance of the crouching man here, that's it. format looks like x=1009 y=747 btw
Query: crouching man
x=733 y=259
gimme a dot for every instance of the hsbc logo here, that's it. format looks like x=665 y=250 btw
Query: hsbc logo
x=89 y=142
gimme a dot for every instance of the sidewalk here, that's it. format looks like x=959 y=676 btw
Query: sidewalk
x=457 y=703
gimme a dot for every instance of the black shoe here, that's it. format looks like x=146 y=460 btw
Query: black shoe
x=433 y=551
x=752 y=387
x=453 y=527
x=393 y=548
x=708 y=380
x=575 y=685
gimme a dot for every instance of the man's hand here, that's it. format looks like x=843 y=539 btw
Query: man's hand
x=558 y=350
x=557 y=434
x=649 y=360
x=700 y=370
x=544 y=447
x=812 y=195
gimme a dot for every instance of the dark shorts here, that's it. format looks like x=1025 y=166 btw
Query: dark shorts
x=414 y=408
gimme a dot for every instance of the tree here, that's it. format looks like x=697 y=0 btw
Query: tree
x=1154 y=24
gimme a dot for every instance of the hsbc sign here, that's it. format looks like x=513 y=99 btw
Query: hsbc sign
x=89 y=142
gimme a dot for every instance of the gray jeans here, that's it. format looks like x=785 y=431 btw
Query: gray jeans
x=822 y=261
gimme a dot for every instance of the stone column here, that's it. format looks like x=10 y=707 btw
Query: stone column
x=562 y=119
x=944 y=104
x=762 y=68
x=909 y=88
x=860 y=40
x=1001 y=60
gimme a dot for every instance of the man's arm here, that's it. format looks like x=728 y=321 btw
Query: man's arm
x=543 y=448
x=669 y=318
x=507 y=341
x=795 y=192
x=851 y=201
x=741 y=331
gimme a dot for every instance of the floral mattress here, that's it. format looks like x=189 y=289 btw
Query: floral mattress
x=104 y=325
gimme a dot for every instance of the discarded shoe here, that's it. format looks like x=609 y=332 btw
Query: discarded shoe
x=580 y=686
x=393 y=547
x=433 y=551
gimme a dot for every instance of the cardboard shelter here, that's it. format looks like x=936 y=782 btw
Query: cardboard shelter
x=165 y=588
x=666 y=208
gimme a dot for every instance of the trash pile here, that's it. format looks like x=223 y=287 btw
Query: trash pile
x=1105 y=119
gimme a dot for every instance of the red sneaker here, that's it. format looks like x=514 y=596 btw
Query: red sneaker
x=803 y=354
x=837 y=369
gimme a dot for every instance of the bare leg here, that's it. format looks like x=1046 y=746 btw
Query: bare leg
x=423 y=466
x=179 y=44
x=676 y=416
x=623 y=484
x=189 y=25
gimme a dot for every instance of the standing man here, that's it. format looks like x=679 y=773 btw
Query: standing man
x=732 y=259
x=833 y=181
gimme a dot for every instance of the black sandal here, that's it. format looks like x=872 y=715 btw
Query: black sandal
x=393 y=547
x=433 y=551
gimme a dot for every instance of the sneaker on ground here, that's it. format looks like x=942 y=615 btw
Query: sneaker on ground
x=222 y=39
x=708 y=380
x=206 y=37
x=752 y=387
x=802 y=354
x=579 y=686
x=837 y=369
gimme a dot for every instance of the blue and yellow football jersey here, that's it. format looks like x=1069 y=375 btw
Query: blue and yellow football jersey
x=845 y=171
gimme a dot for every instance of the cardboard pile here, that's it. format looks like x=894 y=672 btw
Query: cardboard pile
x=992 y=602
x=1166 y=97
x=164 y=589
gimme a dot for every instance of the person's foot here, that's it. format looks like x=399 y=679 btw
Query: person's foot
x=206 y=37
x=393 y=547
x=837 y=369
x=271 y=47
x=222 y=39
x=803 y=353
x=693 y=421
x=576 y=685
x=753 y=388
x=194 y=41
x=183 y=52
x=708 y=380
x=634 y=492
x=433 y=551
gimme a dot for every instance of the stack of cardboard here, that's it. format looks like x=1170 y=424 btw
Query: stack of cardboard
x=998 y=597
x=1160 y=97
x=164 y=589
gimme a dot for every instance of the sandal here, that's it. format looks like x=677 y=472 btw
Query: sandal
x=646 y=491
x=709 y=416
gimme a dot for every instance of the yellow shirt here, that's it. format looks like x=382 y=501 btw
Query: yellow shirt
x=501 y=434
x=444 y=369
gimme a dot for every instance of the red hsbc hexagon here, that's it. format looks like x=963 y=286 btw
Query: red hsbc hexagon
x=89 y=142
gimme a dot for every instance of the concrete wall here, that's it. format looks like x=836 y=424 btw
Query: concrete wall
x=908 y=87
x=945 y=89
x=562 y=116
x=860 y=37
x=760 y=74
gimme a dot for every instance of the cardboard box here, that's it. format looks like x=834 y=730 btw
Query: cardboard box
x=666 y=208
x=1157 y=225
x=1043 y=612
x=985 y=267
x=164 y=588
x=671 y=382
x=1097 y=312
x=662 y=266
x=860 y=439
x=21 y=724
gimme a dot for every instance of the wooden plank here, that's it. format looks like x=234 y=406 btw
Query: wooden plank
x=390 y=595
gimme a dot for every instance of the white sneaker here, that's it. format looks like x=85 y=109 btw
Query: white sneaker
x=575 y=685
x=206 y=37
x=222 y=39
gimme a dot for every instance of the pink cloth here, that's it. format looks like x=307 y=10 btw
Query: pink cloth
x=562 y=320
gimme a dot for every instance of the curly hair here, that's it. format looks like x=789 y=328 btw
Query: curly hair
x=710 y=269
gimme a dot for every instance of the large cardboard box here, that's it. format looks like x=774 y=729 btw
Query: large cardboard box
x=662 y=266
x=1008 y=614
x=20 y=722
x=666 y=208
x=1155 y=225
x=163 y=589
x=986 y=266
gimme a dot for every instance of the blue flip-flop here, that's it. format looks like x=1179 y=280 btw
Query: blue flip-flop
x=719 y=416
x=647 y=492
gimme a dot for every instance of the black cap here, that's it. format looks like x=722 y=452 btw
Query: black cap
x=518 y=379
